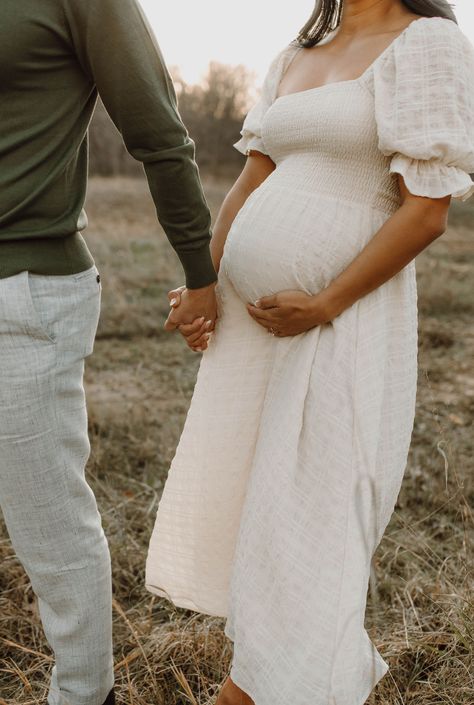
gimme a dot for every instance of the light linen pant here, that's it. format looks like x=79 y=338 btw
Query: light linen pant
x=47 y=328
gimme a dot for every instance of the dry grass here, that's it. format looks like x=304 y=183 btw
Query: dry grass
x=421 y=611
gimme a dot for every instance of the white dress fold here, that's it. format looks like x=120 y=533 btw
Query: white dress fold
x=294 y=449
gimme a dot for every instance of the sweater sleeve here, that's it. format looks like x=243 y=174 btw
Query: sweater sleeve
x=118 y=53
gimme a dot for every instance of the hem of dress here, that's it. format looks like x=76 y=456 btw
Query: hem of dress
x=184 y=602
x=384 y=668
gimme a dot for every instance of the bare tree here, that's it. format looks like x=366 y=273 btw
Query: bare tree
x=212 y=111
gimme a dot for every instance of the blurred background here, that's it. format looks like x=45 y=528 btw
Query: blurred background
x=218 y=53
x=246 y=32
x=140 y=380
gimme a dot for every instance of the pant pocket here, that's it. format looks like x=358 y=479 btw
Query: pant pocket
x=80 y=315
x=38 y=323
x=59 y=310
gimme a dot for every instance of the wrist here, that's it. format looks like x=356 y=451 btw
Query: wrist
x=201 y=290
x=324 y=307
x=198 y=268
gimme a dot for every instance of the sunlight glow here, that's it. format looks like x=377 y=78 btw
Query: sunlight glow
x=249 y=32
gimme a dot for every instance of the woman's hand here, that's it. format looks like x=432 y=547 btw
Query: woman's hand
x=197 y=333
x=174 y=296
x=290 y=312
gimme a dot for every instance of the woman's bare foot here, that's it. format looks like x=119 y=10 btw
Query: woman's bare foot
x=231 y=694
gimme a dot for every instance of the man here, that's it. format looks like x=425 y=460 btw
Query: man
x=55 y=56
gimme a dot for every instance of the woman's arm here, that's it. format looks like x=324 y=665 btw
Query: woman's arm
x=417 y=223
x=257 y=168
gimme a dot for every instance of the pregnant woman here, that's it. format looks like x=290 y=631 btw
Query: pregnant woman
x=296 y=441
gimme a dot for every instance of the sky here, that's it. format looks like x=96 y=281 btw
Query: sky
x=192 y=33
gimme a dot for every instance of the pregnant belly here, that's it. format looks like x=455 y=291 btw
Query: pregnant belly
x=293 y=239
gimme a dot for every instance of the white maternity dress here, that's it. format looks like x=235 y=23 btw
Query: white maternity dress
x=294 y=449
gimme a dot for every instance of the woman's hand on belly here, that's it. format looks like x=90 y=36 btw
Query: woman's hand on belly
x=290 y=312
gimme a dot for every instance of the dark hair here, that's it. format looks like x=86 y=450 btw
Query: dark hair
x=327 y=16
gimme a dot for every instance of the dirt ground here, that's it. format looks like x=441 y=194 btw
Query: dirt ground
x=139 y=382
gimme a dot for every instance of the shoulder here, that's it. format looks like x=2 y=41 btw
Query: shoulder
x=433 y=34
x=281 y=60
x=277 y=68
x=430 y=49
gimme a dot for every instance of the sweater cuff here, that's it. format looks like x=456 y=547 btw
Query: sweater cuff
x=198 y=267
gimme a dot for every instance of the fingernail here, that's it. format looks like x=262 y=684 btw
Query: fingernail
x=173 y=302
x=257 y=304
x=208 y=324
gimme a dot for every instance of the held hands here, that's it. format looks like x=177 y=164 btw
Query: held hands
x=193 y=313
x=290 y=312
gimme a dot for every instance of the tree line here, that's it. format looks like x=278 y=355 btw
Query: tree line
x=213 y=112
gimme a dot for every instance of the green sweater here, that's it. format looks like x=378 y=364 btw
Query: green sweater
x=55 y=56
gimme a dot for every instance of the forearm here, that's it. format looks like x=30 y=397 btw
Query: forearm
x=183 y=213
x=407 y=233
x=232 y=204
x=257 y=168
x=126 y=66
x=410 y=230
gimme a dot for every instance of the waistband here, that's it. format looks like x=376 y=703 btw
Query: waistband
x=45 y=255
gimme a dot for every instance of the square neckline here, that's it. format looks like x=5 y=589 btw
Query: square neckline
x=348 y=80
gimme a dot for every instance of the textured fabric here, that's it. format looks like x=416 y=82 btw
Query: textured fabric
x=55 y=55
x=253 y=124
x=45 y=255
x=423 y=87
x=294 y=449
x=424 y=106
x=47 y=328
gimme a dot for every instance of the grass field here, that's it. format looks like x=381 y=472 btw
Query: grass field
x=139 y=382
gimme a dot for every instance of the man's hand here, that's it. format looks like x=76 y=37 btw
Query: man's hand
x=290 y=312
x=193 y=313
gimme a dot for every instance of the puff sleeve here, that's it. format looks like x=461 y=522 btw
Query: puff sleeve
x=251 y=133
x=424 y=109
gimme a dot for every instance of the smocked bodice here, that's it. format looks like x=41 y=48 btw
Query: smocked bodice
x=325 y=140
x=410 y=113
